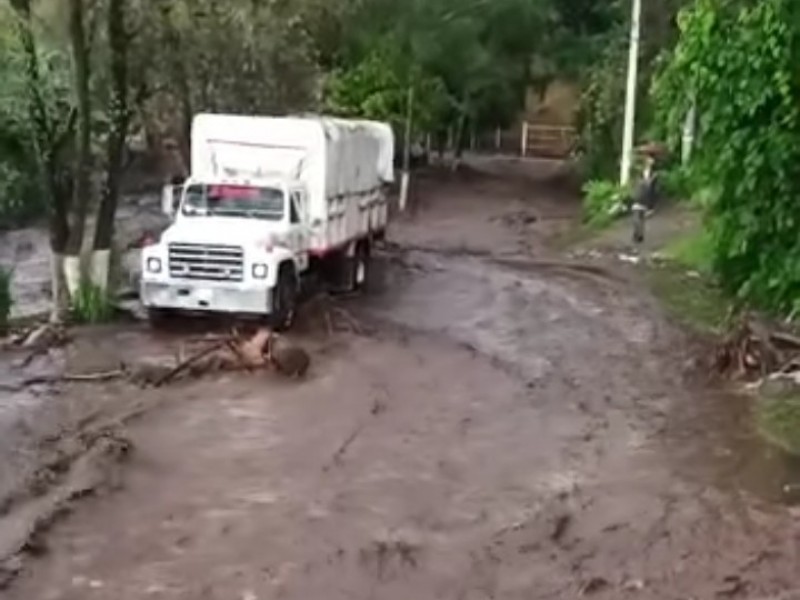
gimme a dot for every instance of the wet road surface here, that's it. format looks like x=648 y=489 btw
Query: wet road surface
x=493 y=432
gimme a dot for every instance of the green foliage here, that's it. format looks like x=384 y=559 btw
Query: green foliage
x=696 y=302
x=19 y=197
x=694 y=251
x=468 y=62
x=603 y=52
x=6 y=276
x=601 y=113
x=740 y=63
x=677 y=183
x=602 y=201
x=377 y=88
x=238 y=56
x=23 y=196
x=778 y=421
x=92 y=304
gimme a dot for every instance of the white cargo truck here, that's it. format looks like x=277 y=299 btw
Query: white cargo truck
x=272 y=204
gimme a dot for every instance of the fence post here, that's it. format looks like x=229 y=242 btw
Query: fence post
x=498 y=139
x=524 y=143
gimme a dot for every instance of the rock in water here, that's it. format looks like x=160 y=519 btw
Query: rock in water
x=287 y=358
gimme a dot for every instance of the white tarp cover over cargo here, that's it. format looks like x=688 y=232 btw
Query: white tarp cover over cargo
x=342 y=163
x=333 y=157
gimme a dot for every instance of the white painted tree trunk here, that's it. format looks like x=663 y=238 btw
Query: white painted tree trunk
x=100 y=268
x=404 y=185
x=56 y=293
x=689 y=132
x=72 y=274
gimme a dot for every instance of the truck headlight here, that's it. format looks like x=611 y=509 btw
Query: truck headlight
x=154 y=265
x=260 y=271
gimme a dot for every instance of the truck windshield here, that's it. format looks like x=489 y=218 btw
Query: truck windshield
x=234 y=201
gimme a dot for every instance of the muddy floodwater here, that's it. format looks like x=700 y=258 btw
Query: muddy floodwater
x=491 y=424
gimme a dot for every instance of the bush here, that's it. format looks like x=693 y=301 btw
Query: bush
x=6 y=302
x=740 y=62
x=92 y=304
x=677 y=183
x=602 y=202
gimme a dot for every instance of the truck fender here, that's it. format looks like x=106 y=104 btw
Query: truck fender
x=279 y=257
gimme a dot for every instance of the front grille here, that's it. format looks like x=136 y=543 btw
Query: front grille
x=206 y=262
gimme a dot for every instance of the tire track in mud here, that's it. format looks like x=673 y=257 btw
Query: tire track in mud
x=611 y=345
x=76 y=466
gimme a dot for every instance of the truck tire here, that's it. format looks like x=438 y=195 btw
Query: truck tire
x=284 y=299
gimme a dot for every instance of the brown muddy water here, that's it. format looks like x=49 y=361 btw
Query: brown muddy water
x=488 y=433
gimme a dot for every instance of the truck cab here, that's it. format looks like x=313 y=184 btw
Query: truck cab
x=230 y=242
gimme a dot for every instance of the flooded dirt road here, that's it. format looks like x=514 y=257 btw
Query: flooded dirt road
x=500 y=428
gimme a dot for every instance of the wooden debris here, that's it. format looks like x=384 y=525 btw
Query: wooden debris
x=232 y=352
x=184 y=366
x=755 y=350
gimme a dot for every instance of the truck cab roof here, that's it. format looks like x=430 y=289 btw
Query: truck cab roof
x=271 y=182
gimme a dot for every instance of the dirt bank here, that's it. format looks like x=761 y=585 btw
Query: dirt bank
x=493 y=432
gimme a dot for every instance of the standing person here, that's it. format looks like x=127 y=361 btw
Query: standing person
x=645 y=194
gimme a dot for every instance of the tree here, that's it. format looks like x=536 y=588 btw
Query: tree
x=20 y=195
x=52 y=126
x=466 y=62
x=598 y=40
x=83 y=153
x=119 y=116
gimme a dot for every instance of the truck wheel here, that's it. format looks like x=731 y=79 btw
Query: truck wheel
x=284 y=300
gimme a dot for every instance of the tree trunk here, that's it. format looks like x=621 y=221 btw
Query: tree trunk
x=82 y=190
x=51 y=147
x=172 y=39
x=119 y=117
x=458 y=142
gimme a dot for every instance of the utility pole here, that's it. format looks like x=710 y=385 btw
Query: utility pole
x=630 y=97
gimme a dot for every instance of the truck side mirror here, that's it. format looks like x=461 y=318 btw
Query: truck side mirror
x=171 y=199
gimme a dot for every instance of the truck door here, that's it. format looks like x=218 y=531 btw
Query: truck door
x=300 y=233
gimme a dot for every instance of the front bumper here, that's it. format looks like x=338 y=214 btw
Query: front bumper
x=198 y=296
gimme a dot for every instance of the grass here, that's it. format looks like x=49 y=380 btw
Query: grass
x=692 y=251
x=685 y=286
x=92 y=304
x=692 y=300
x=778 y=421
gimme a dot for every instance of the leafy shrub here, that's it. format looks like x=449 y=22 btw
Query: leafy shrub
x=92 y=304
x=600 y=114
x=602 y=202
x=6 y=302
x=677 y=183
x=740 y=62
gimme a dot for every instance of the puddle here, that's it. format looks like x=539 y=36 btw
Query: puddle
x=723 y=448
